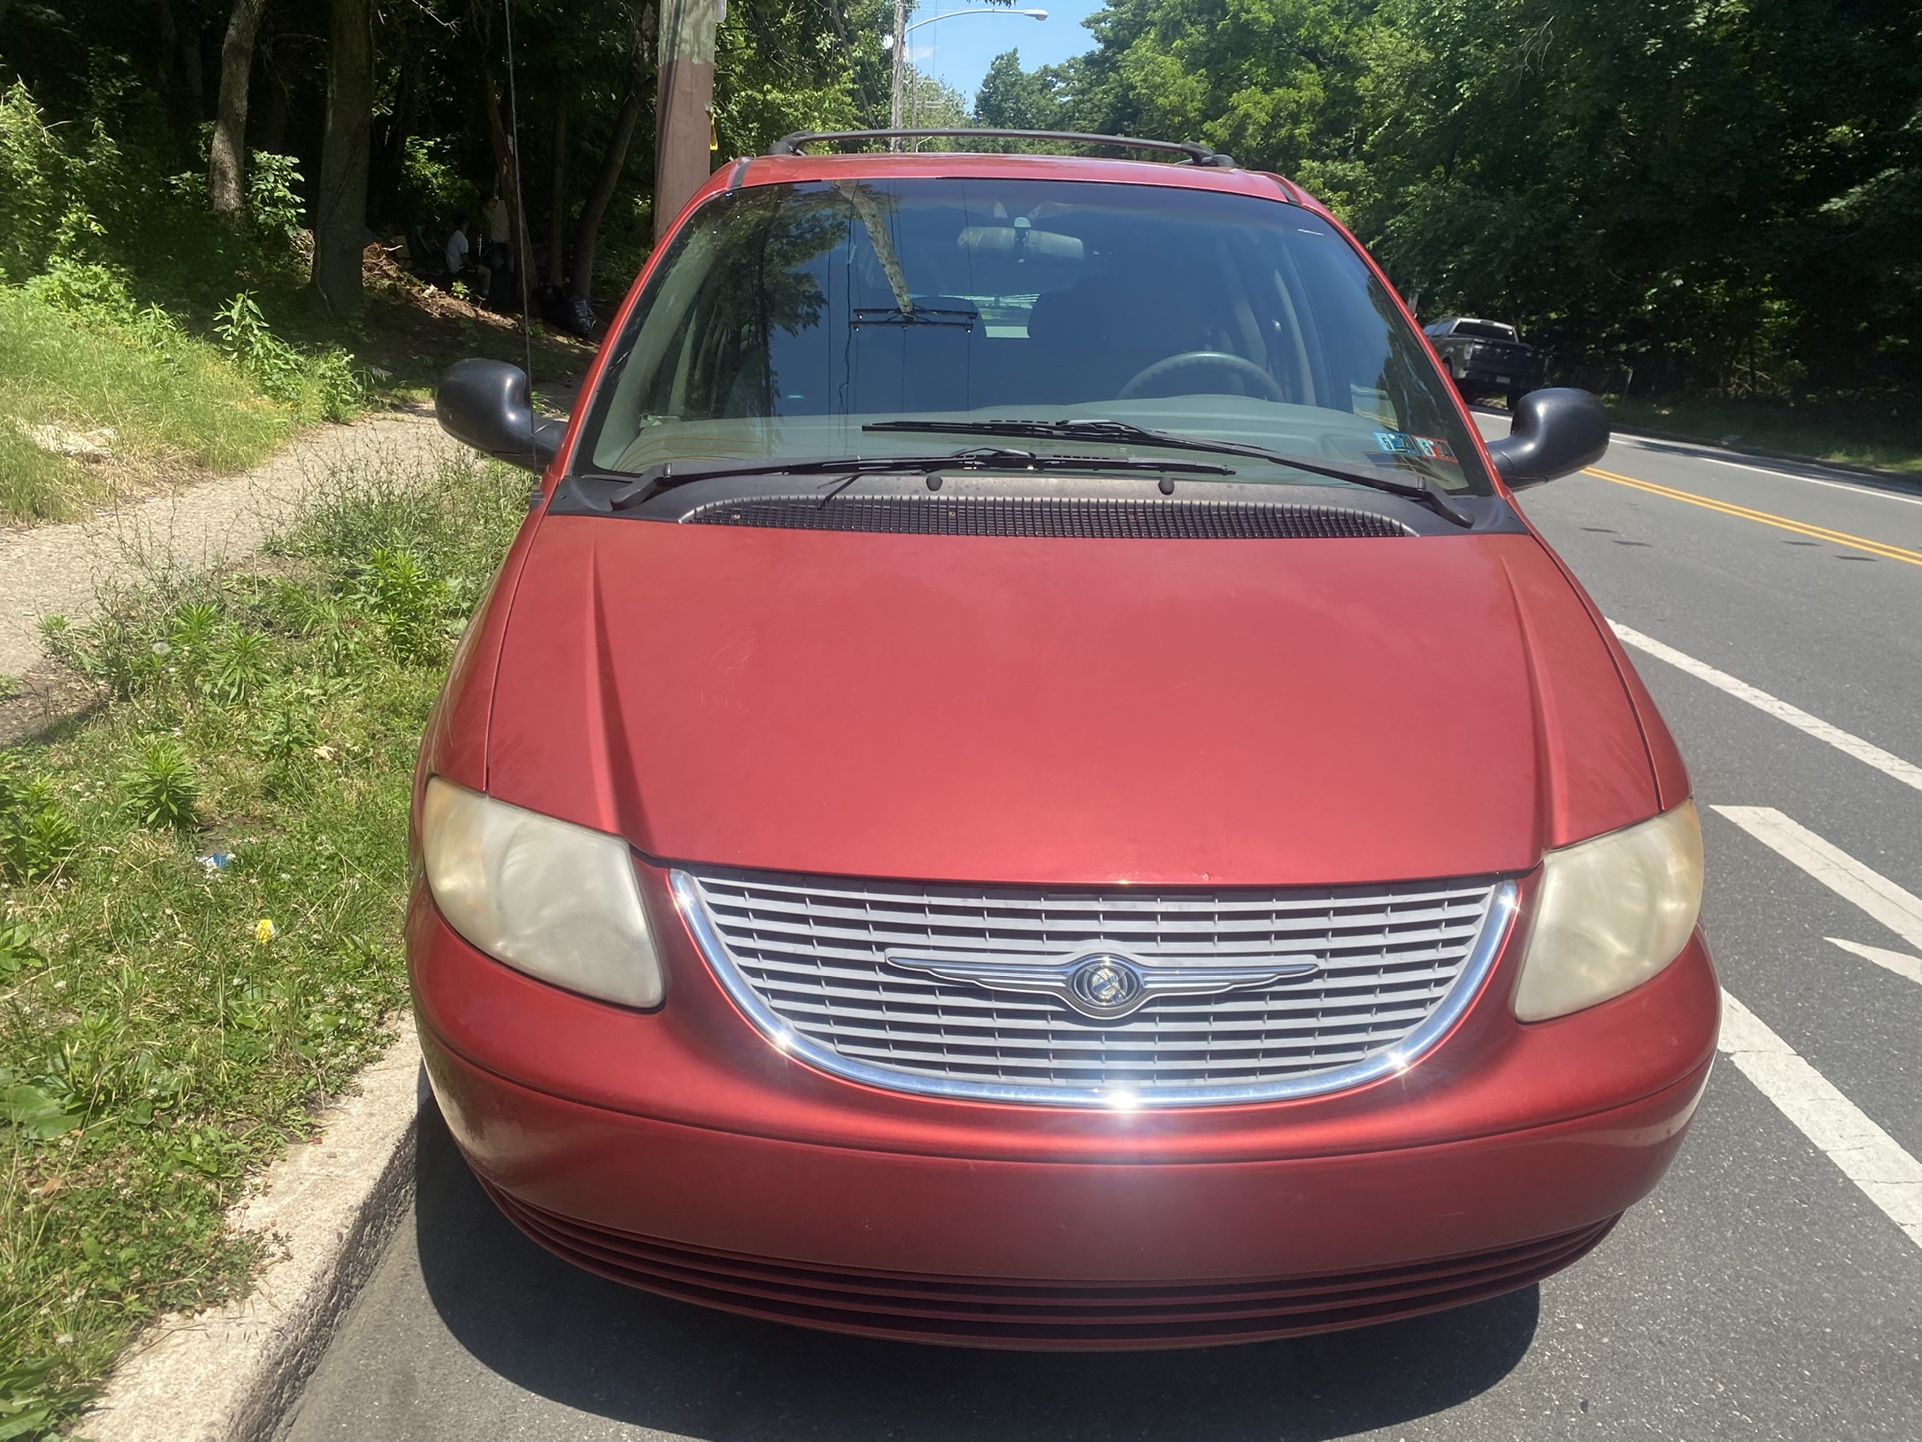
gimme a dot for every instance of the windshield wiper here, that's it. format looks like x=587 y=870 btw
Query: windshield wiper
x=920 y=315
x=1412 y=484
x=638 y=488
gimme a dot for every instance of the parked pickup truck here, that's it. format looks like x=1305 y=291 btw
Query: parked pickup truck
x=1485 y=358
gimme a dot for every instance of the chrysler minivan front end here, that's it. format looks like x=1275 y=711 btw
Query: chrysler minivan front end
x=1025 y=783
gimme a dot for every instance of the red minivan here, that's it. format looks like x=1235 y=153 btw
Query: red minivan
x=1026 y=784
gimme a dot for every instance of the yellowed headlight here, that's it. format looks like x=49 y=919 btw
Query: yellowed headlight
x=1611 y=913
x=549 y=898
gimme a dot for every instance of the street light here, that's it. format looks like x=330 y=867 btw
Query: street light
x=902 y=30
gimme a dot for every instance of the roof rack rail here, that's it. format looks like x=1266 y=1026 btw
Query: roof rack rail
x=796 y=143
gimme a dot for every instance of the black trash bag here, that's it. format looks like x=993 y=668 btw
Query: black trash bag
x=569 y=313
x=580 y=320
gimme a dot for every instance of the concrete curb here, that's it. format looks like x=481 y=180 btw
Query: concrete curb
x=231 y=1373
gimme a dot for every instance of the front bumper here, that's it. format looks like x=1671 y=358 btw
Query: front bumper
x=680 y=1151
x=1494 y=376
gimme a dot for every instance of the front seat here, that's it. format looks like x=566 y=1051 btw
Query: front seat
x=1068 y=334
x=1098 y=336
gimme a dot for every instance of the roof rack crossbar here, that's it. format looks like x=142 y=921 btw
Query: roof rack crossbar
x=796 y=143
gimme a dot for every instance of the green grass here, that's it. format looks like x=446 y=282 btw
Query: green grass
x=154 y=1049
x=171 y=401
x=1849 y=434
x=78 y=353
x=34 y=485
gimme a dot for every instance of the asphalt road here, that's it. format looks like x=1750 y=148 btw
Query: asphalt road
x=1771 y=1288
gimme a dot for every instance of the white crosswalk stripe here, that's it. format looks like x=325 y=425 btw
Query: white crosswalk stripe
x=1866 y=1155
x=1854 y=881
x=1867 y=752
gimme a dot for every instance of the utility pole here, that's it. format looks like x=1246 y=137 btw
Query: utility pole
x=683 y=110
x=900 y=44
x=901 y=29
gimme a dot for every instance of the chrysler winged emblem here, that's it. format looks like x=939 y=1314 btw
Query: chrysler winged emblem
x=1103 y=985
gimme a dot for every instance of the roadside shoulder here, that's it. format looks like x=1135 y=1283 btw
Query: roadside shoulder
x=328 y=1207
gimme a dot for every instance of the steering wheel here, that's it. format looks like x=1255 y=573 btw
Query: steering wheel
x=1217 y=360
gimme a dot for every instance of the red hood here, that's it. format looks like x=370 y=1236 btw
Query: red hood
x=1167 y=713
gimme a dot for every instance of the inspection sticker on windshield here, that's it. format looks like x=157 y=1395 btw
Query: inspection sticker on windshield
x=1427 y=447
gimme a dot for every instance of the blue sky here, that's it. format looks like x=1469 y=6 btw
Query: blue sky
x=959 y=51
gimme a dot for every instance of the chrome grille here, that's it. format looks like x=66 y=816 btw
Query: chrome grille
x=807 y=959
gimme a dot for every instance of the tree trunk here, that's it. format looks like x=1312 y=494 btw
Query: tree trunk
x=506 y=173
x=557 y=196
x=268 y=119
x=406 y=109
x=587 y=230
x=169 y=45
x=340 y=207
x=182 y=87
x=683 y=110
x=227 y=166
x=268 y=99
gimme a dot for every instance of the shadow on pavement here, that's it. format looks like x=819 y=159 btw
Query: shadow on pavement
x=605 y=1349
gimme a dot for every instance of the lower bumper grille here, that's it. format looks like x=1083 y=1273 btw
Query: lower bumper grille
x=1041 y=1315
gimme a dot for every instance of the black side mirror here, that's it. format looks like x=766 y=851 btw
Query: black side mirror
x=1556 y=431
x=486 y=404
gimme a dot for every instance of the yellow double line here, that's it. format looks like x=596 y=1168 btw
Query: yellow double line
x=1781 y=523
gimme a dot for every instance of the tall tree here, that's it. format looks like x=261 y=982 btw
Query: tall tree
x=557 y=192
x=1011 y=98
x=227 y=161
x=503 y=138
x=587 y=230
x=340 y=207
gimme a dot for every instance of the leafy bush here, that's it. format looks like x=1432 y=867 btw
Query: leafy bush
x=340 y=387
x=262 y=354
x=274 y=205
x=53 y=193
x=87 y=289
x=125 y=659
x=431 y=181
x=79 y=193
x=34 y=176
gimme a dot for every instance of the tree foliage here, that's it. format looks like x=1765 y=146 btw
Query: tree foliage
x=1719 y=193
x=575 y=98
x=1011 y=98
x=1722 y=195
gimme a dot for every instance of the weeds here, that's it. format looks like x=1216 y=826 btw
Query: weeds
x=37 y=834
x=161 y=789
x=167 y=1021
x=326 y=386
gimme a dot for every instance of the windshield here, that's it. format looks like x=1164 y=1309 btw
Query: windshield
x=1485 y=330
x=783 y=318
